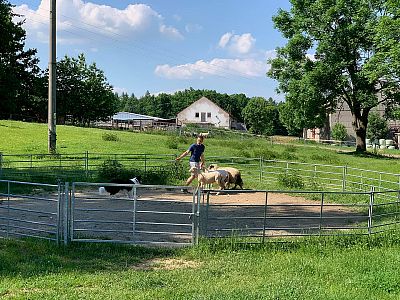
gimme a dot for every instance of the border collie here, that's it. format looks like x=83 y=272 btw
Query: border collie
x=112 y=189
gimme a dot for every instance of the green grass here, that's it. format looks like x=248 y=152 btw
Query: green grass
x=314 y=268
x=355 y=267
x=31 y=138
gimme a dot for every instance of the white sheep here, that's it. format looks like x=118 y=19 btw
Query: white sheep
x=234 y=175
x=212 y=177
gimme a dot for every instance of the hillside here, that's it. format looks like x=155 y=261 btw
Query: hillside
x=31 y=138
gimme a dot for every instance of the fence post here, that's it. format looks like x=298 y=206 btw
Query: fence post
x=371 y=204
x=1 y=166
x=66 y=214
x=261 y=166
x=59 y=213
x=8 y=209
x=87 y=164
x=265 y=216
x=344 y=178
x=145 y=163
x=321 y=211
x=134 y=213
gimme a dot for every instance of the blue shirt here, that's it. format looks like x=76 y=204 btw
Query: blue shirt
x=196 y=150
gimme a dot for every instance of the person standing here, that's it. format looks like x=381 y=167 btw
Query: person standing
x=196 y=160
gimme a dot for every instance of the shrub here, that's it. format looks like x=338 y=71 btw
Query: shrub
x=110 y=137
x=172 y=143
x=111 y=169
x=339 y=132
x=290 y=180
x=377 y=127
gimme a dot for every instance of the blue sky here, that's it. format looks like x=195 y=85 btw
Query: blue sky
x=165 y=45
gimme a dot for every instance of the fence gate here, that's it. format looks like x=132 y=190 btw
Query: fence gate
x=31 y=210
x=160 y=215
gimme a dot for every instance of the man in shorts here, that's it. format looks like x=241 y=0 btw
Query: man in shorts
x=196 y=160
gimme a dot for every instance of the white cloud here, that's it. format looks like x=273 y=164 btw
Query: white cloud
x=237 y=44
x=193 y=28
x=223 y=41
x=215 y=67
x=83 y=19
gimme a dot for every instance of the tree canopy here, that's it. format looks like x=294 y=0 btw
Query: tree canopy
x=19 y=72
x=338 y=51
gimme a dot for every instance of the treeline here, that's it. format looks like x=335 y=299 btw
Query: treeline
x=84 y=95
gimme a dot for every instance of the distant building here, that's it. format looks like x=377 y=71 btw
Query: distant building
x=127 y=120
x=343 y=115
x=206 y=113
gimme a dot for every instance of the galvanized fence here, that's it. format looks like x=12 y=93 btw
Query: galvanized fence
x=163 y=215
x=31 y=210
x=257 y=172
x=72 y=166
x=147 y=214
x=263 y=214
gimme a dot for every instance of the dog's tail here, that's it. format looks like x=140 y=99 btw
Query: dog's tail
x=102 y=190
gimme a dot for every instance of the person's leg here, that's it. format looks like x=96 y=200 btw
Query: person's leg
x=190 y=179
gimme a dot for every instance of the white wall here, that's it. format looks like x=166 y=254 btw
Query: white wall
x=218 y=118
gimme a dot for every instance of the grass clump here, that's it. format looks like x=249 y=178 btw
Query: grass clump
x=110 y=137
x=290 y=180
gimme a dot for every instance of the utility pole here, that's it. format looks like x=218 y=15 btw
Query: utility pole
x=52 y=80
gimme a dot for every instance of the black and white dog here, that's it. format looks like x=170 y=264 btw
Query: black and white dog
x=114 y=189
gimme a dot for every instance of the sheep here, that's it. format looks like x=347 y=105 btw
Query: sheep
x=234 y=175
x=210 y=178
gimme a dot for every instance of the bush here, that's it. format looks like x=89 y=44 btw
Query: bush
x=290 y=180
x=172 y=142
x=111 y=169
x=339 y=132
x=377 y=127
x=110 y=137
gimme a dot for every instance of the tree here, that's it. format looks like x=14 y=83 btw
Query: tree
x=339 y=132
x=356 y=59
x=83 y=93
x=378 y=127
x=259 y=116
x=18 y=67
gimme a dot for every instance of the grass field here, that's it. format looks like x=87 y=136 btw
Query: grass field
x=305 y=268
x=324 y=268
x=31 y=138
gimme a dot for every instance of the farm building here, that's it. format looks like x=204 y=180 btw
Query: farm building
x=343 y=115
x=206 y=113
x=127 y=120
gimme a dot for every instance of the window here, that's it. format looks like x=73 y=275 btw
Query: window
x=196 y=115
x=209 y=115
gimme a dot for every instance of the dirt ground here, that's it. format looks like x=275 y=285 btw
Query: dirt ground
x=166 y=215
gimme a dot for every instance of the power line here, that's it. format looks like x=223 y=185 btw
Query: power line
x=162 y=53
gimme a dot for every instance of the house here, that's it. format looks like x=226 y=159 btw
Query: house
x=127 y=120
x=206 y=113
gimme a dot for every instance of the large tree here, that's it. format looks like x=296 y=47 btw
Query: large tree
x=83 y=92
x=18 y=67
x=338 y=50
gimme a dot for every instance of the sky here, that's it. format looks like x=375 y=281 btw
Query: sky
x=164 y=46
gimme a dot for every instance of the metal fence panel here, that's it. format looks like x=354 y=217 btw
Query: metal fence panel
x=30 y=210
x=145 y=215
